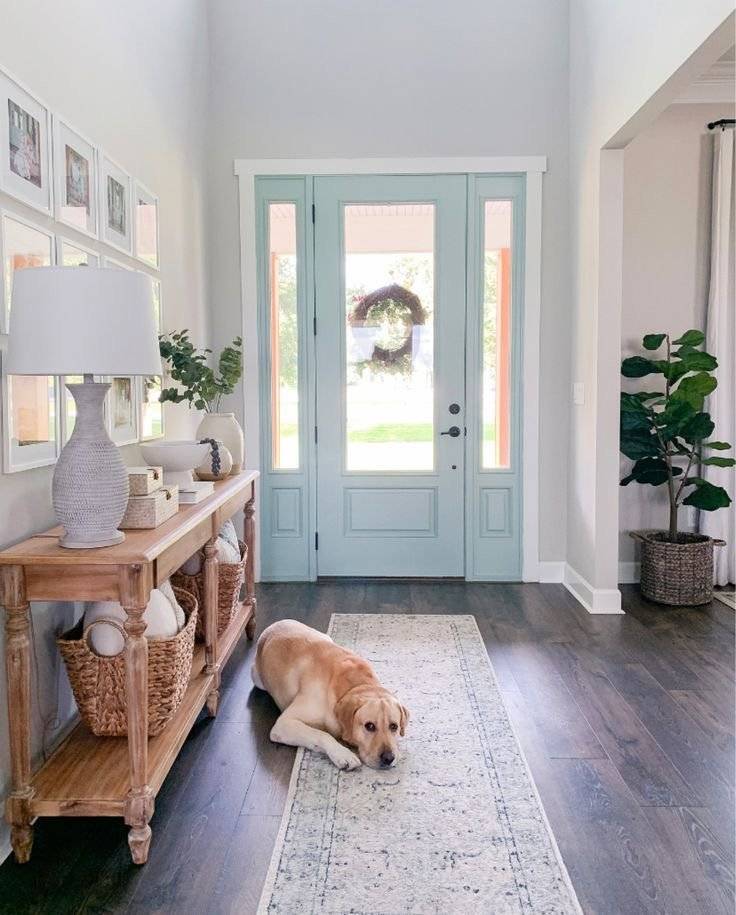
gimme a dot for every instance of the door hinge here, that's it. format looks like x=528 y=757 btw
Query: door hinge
x=316 y=540
x=315 y=435
x=314 y=214
x=314 y=325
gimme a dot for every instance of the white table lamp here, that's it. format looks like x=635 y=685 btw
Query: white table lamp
x=85 y=321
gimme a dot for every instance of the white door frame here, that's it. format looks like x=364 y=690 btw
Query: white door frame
x=247 y=170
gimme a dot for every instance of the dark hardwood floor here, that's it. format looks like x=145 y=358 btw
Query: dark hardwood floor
x=627 y=723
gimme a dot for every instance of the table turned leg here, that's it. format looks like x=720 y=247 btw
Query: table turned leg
x=209 y=611
x=135 y=589
x=18 y=673
x=250 y=563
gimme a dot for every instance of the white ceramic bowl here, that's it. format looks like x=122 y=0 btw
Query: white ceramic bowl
x=177 y=458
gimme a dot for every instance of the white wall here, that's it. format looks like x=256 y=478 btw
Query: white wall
x=132 y=77
x=667 y=209
x=419 y=78
x=621 y=55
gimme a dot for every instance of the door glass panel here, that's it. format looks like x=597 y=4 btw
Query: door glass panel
x=284 y=336
x=496 y=438
x=389 y=314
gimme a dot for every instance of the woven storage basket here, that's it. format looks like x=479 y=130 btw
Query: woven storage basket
x=98 y=683
x=230 y=578
x=679 y=574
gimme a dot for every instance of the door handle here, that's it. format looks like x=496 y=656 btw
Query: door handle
x=453 y=431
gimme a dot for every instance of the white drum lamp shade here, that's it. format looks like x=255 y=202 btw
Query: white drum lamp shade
x=85 y=321
x=82 y=321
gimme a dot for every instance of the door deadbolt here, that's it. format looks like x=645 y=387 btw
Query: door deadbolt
x=454 y=408
x=453 y=431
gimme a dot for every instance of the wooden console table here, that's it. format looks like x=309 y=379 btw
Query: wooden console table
x=109 y=776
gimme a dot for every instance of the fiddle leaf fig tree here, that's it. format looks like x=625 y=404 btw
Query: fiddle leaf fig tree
x=667 y=433
x=200 y=385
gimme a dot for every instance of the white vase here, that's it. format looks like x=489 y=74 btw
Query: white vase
x=226 y=429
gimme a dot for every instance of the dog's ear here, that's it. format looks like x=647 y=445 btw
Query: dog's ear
x=345 y=713
x=404 y=719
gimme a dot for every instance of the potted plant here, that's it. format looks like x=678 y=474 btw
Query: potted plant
x=204 y=387
x=667 y=434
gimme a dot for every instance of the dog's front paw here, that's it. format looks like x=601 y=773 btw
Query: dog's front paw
x=345 y=759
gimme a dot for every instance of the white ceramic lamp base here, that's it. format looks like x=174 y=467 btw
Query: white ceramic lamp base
x=90 y=488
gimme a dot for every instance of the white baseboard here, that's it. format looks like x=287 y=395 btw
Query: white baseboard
x=595 y=600
x=629 y=573
x=552 y=571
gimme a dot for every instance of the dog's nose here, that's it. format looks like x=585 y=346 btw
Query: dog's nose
x=387 y=758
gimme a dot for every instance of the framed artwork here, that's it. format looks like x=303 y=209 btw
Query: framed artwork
x=76 y=183
x=30 y=421
x=71 y=254
x=25 y=146
x=151 y=409
x=146 y=225
x=115 y=203
x=122 y=414
x=22 y=244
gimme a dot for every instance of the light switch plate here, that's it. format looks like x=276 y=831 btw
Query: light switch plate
x=578 y=393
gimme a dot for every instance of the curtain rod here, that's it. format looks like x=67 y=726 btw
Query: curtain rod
x=723 y=123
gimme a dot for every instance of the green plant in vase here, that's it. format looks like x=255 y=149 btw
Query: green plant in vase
x=668 y=435
x=203 y=387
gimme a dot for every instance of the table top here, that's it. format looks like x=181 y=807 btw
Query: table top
x=138 y=546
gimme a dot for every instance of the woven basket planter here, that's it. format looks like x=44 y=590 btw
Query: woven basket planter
x=230 y=578
x=98 y=682
x=679 y=574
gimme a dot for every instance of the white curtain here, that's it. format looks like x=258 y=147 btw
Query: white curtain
x=721 y=342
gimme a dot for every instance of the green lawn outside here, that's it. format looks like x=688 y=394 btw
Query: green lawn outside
x=393 y=432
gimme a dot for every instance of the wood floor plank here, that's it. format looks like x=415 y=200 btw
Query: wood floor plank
x=245 y=866
x=703 y=861
x=646 y=769
x=716 y=721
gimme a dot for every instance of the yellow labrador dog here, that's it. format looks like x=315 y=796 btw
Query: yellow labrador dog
x=326 y=694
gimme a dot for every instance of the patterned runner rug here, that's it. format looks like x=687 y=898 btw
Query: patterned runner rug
x=456 y=827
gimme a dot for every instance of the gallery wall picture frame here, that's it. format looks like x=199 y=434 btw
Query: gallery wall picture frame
x=116 y=224
x=69 y=253
x=25 y=145
x=122 y=409
x=145 y=226
x=151 y=420
x=76 y=179
x=23 y=244
x=30 y=423
x=113 y=262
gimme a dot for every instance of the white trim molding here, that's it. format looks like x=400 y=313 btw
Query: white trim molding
x=552 y=571
x=595 y=600
x=533 y=166
x=629 y=573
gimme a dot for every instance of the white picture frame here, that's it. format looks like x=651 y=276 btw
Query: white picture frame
x=145 y=225
x=115 y=195
x=158 y=304
x=122 y=409
x=21 y=238
x=25 y=146
x=151 y=422
x=115 y=263
x=69 y=253
x=20 y=453
x=76 y=180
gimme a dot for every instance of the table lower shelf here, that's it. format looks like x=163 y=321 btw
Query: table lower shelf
x=89 y=776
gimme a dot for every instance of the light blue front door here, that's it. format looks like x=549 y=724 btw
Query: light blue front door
x=390 y=345
x=390 y=308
